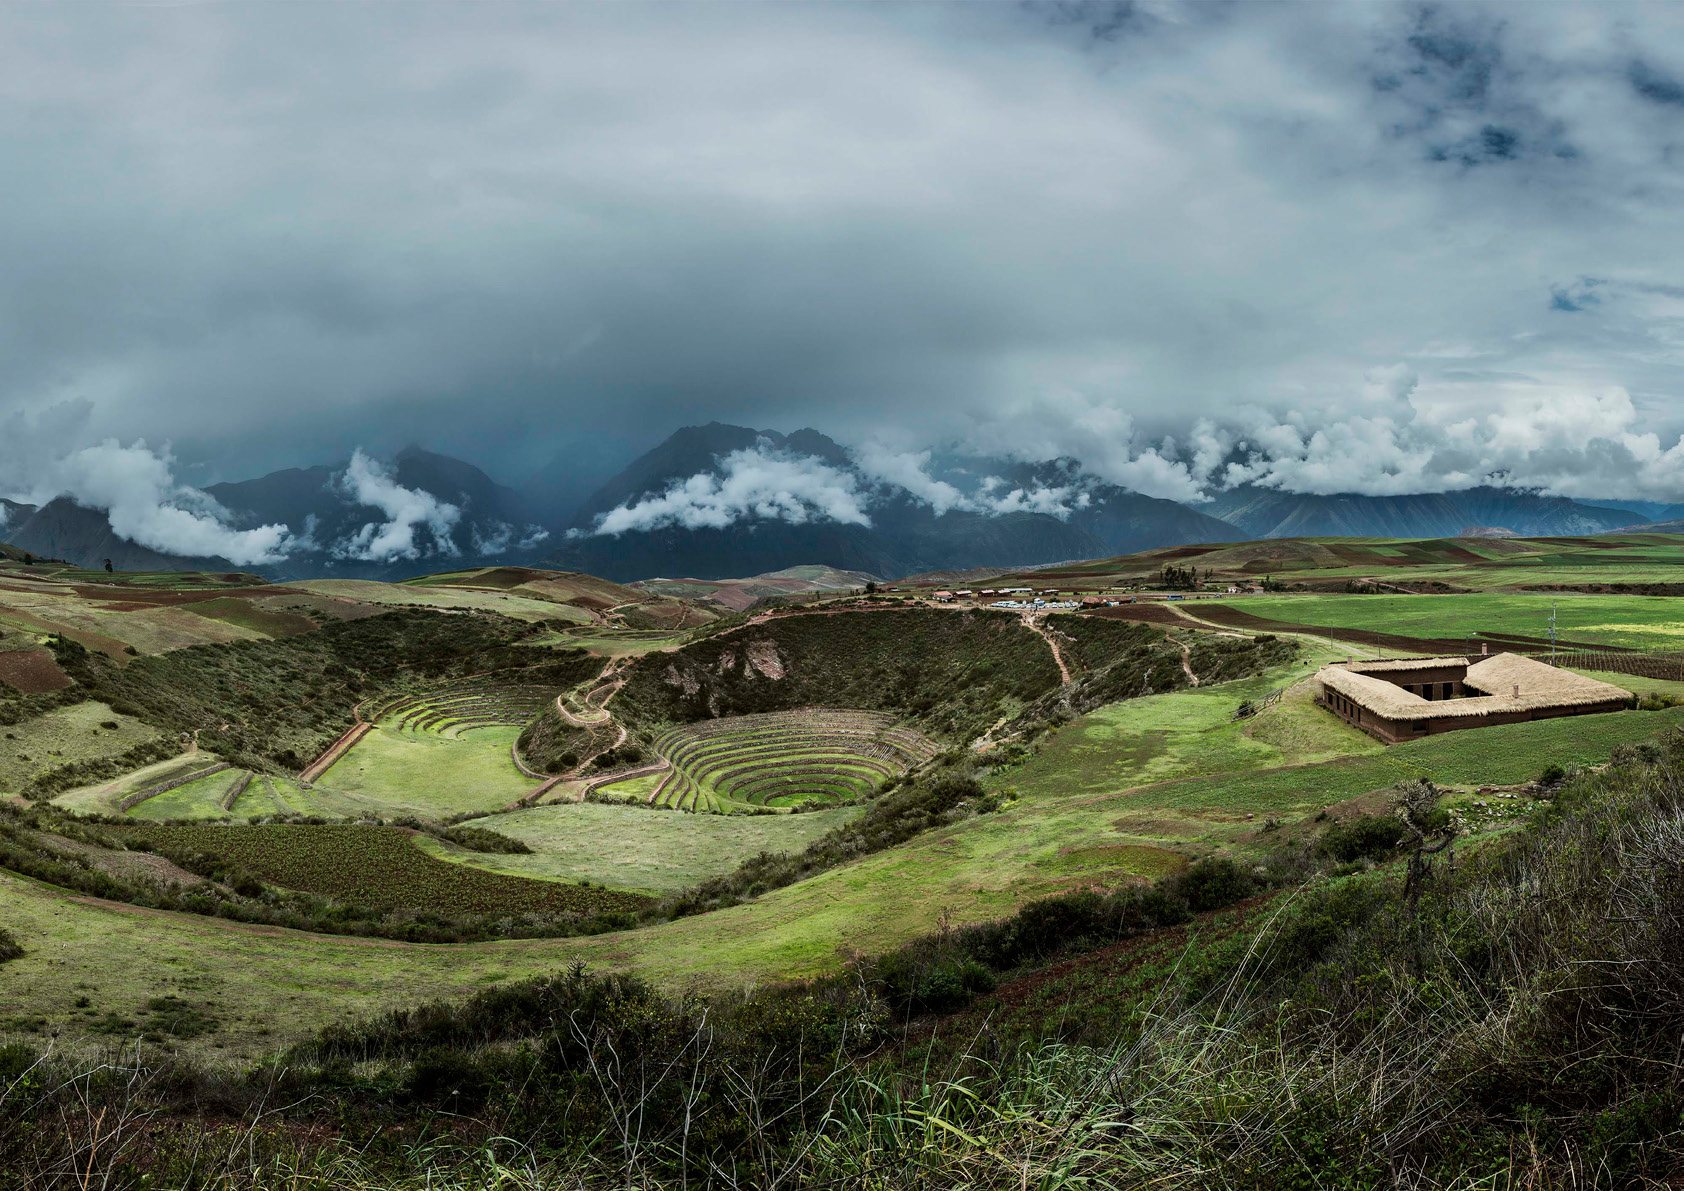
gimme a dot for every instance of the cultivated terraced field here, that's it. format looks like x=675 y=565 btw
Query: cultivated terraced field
x=455 y=710
x=784 y=759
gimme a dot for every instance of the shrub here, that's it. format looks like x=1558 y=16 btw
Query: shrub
x=1368 y=837
x=10 y=948
x=1211 y=883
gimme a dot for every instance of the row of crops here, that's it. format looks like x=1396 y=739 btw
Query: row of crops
x=378 y=867
x=454 y=710
x=782 y=760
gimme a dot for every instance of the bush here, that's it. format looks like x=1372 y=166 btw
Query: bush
x=1211 y=884
x=1368 y=837
x=10 y=948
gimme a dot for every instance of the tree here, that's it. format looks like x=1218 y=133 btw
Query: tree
x=108 y=566
x=1429 y=830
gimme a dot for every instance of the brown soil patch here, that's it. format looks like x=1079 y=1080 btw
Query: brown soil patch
x=1144 y=613
x=32 y=671
x=112 y=648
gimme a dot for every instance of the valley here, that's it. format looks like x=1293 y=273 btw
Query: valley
x=374 y=795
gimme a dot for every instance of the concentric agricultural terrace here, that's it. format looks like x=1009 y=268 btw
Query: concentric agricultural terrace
x=453 y=710
x=784 y=759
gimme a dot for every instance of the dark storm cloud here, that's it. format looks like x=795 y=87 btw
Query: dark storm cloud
x=1138 y=234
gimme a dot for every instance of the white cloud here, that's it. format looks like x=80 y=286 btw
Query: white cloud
x=407 y=509
x=752 y=483
x=997 y=497
x=1568 y=442
x=494 y=537
x=133 y=485
x=908 y=471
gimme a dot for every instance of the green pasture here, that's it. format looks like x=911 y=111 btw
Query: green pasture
x=422 y=773
x=1182 y=734
x=200 y=799
x=1638 y=622
x=633 y=789
x=1501 y=755
x=636 y=848
x=83 y=732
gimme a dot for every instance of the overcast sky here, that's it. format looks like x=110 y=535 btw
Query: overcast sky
x=1448 y=240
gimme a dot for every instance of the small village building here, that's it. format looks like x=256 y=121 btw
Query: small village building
x=944 y=596
x=1407 y=698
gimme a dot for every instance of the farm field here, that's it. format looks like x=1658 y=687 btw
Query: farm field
x=426 y=773
x=1633 y=622
x=200 y=799
x=638 y=849
x=395 y=595
x=784 y=759
x=1480 y=564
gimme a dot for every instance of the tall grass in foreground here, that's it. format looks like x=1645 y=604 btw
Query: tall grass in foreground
x=1517 y=1022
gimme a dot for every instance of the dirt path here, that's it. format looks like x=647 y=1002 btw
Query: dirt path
x=1186 y=657
x=1032 y=622
x=576 y=721
x=334 y=751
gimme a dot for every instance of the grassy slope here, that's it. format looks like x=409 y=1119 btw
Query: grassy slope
x=1635 y=621
x=642 y=850
x=63 y=736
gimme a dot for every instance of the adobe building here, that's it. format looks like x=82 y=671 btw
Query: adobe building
x=1413 y=697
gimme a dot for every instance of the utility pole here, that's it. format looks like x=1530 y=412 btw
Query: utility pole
x=1552 y=632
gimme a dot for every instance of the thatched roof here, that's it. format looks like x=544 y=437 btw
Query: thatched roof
x=1391 y=664
x=1541 y=686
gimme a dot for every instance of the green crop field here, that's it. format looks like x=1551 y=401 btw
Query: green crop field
x=784 y=760
x=638 y=849
x=379 y=867
x=1638 y=622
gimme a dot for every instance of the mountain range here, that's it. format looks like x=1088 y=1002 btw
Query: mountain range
x=720 y=501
